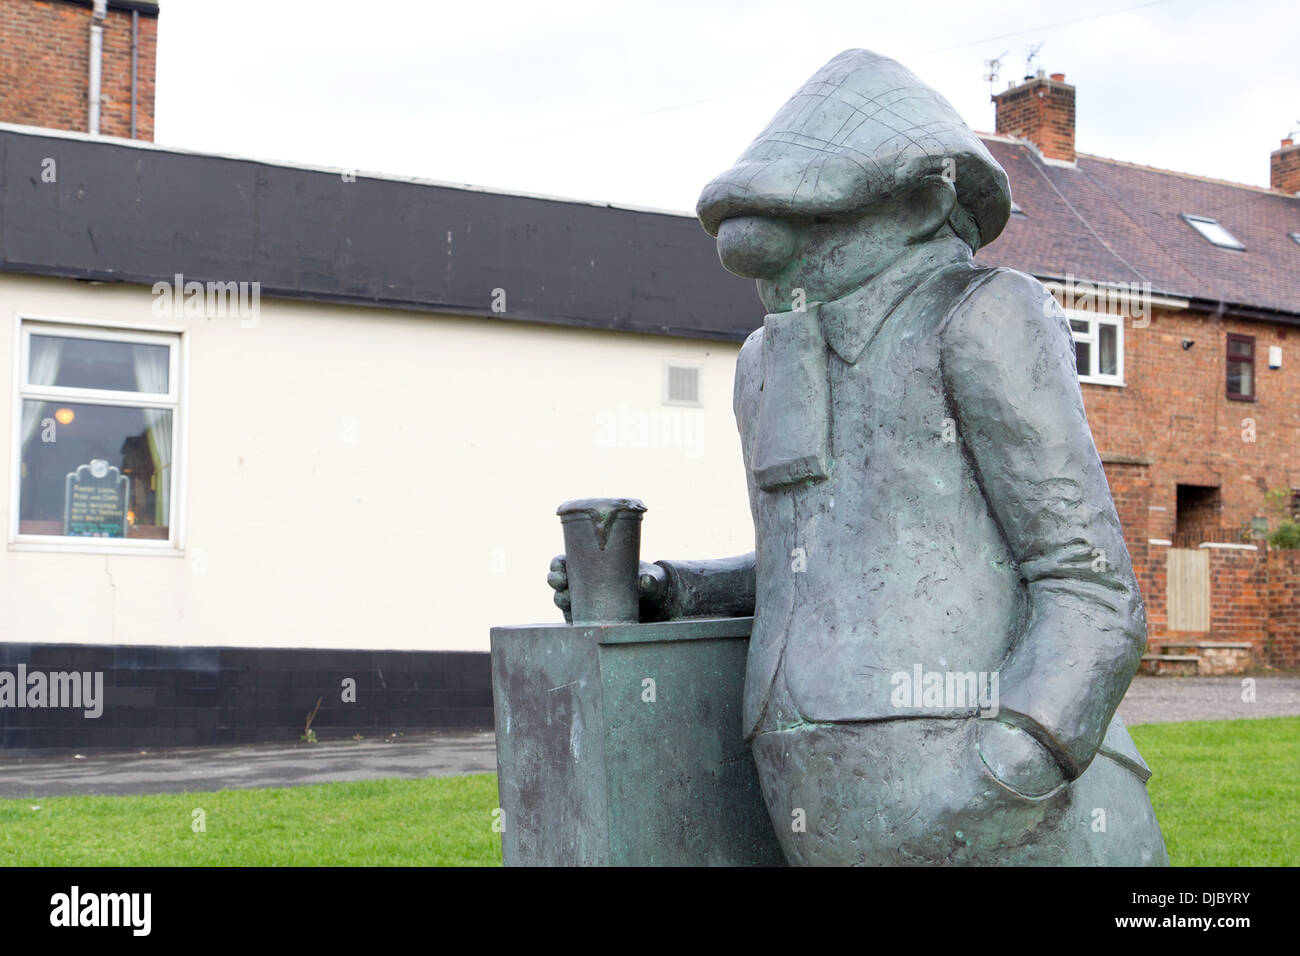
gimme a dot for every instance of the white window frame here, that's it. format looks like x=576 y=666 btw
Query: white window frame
x=1092 y=337
x=176 y=338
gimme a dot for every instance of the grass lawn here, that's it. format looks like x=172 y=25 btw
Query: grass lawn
x=1227 y=793
x=444 y=821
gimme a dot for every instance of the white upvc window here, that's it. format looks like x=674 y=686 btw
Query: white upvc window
x=1098 y=347
x=97 y=438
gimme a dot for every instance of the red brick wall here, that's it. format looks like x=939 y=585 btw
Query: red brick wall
x=1284 y=609
x=1239 y=589
x=1131 y=488
x=1173 y=412
x=44 y=67
x=1041 y=111
x=1254 y=597
x=1155 y=591
x=1172 y=423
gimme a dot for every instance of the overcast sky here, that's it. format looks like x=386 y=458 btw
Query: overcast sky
x=643 y=103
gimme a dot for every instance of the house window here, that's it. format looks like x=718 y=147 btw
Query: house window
x=96 y=438
x=1098 y=347
x=1241 y=367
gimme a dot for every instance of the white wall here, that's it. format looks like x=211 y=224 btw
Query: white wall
x=375 y=478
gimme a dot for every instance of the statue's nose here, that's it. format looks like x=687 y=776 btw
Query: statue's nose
x=756 y=247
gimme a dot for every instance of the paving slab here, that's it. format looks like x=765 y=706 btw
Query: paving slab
x=203 y=769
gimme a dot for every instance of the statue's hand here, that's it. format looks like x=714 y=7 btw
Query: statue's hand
x=1017 y=760
x=652 y=584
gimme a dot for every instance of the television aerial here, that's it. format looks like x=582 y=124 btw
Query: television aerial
x=991 y=68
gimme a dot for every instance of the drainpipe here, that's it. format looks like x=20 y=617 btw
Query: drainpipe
x=96 y=60
x=135 y=48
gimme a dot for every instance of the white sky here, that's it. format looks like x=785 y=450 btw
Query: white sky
x=643 y=103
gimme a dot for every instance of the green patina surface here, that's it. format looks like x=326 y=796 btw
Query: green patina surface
x=622 y=744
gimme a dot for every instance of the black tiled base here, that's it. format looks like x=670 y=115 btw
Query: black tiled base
x=157 y=697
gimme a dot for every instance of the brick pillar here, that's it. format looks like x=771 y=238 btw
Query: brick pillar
x=1284 y=608
x=1130 y=487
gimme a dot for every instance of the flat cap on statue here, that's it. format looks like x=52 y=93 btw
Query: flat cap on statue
x=862 y=127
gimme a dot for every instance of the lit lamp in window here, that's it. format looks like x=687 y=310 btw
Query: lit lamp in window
x=64 y=416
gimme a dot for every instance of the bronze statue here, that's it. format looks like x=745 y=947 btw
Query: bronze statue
x=945 y=613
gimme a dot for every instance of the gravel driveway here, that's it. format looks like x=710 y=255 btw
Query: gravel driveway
x=1154 y=700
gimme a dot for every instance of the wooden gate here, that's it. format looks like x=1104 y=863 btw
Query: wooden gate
x=1188 y=584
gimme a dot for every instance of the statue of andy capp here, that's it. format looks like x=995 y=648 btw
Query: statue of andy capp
x=945 y=613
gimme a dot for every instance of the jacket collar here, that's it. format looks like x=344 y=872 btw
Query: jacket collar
x=850 y=322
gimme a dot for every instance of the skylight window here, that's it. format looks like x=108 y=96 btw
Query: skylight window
x=1295 y=236
x=1017 y=211
x=1212 y=232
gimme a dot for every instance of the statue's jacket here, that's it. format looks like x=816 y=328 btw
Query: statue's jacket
x=964 y=523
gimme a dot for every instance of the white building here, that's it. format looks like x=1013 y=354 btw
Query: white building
x=255 y=406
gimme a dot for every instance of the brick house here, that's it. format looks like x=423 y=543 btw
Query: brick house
x=1184 y=296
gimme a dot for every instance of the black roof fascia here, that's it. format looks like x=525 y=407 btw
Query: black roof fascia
x=118 y=211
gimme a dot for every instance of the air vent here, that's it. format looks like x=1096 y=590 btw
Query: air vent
x=681 y=383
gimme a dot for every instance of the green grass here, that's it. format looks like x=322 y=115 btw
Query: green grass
x=442 y=821
x=1227 y=793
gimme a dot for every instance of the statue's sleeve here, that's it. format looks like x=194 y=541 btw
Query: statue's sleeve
x=1009 y=373
x=720 y=587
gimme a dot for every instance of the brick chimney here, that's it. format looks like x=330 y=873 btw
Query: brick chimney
x=1041 y=110
x=45 y=53
x=1284 y=168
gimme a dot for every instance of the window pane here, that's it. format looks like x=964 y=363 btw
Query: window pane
x=1078 y=325
x=1241 y=378
x=95 y=363
x=1214 y=232
x=95 y=470
x=1083 y=357
x=1241 y=349
x=1107 y=350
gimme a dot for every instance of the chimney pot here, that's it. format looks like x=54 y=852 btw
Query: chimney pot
x=1286 y=143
